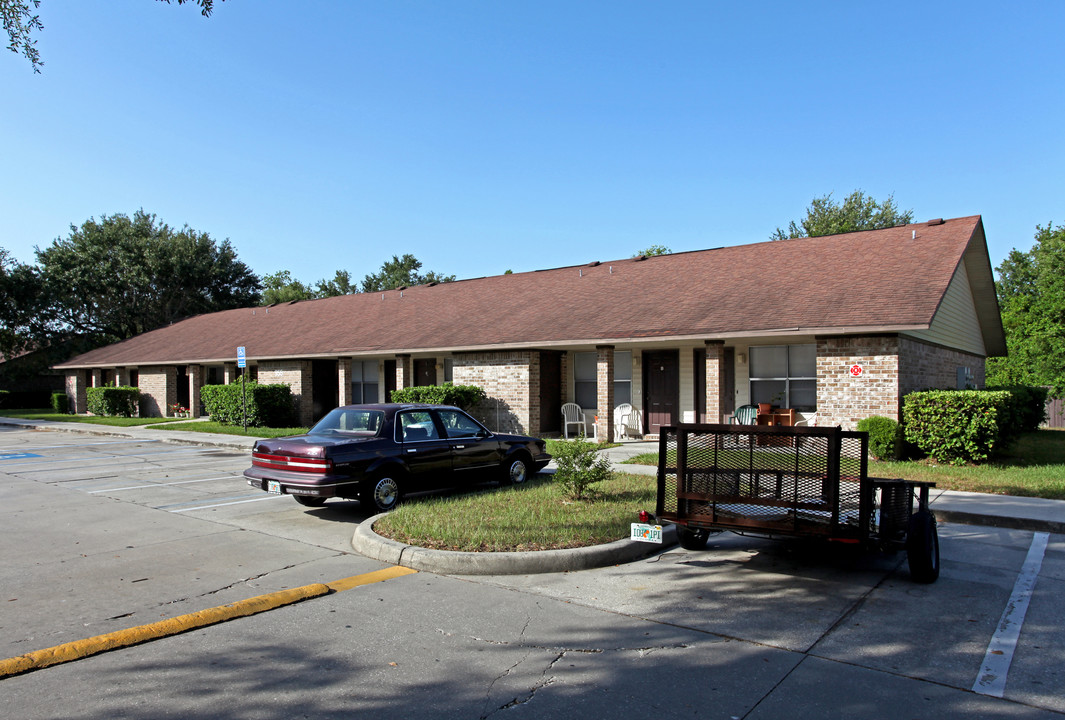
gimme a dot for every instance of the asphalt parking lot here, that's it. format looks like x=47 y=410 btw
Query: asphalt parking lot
x=102 y=533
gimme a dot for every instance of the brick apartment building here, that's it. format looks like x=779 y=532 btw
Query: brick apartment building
x=837 y=328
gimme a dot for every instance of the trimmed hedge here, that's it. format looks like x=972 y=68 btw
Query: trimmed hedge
x=268 y=405
x=885 y=437
x=959 y=426
x=462 y=396
x=114 y=401
x=60 y=403
x=1028 y=406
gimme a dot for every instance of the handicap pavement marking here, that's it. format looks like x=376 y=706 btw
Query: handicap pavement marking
x=17 y=456
x=78 y=649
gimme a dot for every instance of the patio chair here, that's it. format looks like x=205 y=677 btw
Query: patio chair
x=627 y=421
x=808 y=421
x=745 y=415
x=572 y=414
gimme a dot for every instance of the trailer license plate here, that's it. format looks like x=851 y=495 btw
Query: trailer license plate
x=273 y=486
x=647 y=533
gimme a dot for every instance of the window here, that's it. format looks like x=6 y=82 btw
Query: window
x=584 y=379
x=784 y=376
x=622 y=377
x=460 y=425
x=416 y=425
x=363 y=381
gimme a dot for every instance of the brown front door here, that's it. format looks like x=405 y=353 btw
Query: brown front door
x=425 y=372
x=661 y=382
x=550 y=391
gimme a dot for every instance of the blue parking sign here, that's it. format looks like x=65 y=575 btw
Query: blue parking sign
x=242 y=360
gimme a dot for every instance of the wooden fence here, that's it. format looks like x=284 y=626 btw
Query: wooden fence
x=1055 y=413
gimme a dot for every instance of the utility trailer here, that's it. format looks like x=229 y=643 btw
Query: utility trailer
x=803 y=482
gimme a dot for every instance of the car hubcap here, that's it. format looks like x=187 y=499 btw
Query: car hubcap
x=517 y=472
x=386 y=493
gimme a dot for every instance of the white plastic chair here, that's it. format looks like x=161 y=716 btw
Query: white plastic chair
x=808 y=421
x=572 y=414
x=627 y=421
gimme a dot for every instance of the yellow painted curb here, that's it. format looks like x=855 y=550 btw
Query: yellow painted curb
x=369 y=578
x=123 y=638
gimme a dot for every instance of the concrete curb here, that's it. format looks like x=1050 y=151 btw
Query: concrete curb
x=78 y=649
x=447 y=562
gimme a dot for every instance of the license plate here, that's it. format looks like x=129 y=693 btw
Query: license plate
x=646 y=533
x=273 y=486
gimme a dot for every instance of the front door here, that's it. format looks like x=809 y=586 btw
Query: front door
x=325 y=392
x=550 y=391
x=425 y=372
x=661 y=382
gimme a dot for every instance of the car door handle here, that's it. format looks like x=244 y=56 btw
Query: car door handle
x=460 y=447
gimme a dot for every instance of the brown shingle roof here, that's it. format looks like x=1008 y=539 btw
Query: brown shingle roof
x=886 y=280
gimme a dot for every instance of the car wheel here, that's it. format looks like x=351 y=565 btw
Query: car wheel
x=310 y=500
x=692 y=538
x=922 y=547
x=516 y=470
x=382 y=493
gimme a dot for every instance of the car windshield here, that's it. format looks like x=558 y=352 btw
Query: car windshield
x=350 y=421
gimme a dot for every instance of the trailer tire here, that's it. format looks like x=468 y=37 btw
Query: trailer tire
x=692 y=538
x=922 y=547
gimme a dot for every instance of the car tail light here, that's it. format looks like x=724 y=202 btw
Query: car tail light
x=645 y=517
x=288 y=462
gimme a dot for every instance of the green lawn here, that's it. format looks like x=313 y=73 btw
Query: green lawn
x=206 y=426
x=532 y=516
x=44 y=414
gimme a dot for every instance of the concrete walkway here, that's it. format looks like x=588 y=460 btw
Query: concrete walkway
x=1004 y=511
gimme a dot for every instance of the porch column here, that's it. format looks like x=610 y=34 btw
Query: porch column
x=121 y=377
x=604 y=393
x=229 y=373
x=97 y=378
x=715 y=380
x=195 y=383
x=344 y=381
x=404 y=374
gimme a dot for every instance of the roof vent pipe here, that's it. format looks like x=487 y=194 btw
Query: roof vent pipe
x=914 y=236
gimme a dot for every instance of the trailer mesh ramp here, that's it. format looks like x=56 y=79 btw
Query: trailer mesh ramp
x=804 y=480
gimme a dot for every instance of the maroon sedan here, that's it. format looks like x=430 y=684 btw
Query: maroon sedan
x=376 y=453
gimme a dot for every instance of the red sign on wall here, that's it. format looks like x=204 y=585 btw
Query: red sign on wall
x=856 y=370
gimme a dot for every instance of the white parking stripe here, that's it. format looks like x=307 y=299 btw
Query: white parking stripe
x=131 y=441
x=236 y=502
x=992 y=678
x=176 y=482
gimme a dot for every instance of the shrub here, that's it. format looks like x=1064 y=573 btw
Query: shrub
x=1028 y=406
x=885 y=437
x=462 y=396
x=114 y=401
x=268 y=405
x=60 y=403
x=3 y=398
x=958 y=426
x=579 y=467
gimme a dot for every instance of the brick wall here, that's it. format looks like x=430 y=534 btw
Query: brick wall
x=715 y=381
x=604 y=382
x=158 y=386
x=506 y=377
x=76 y=381
x=925 y=366
x=843 y=398
x=297 y=375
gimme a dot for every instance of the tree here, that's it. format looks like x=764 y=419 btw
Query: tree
x=1031 y=296
x=858 y=212
x=21 y=295
x=123 y=276
x=20 y=23
x=339 y=285
x=401 y=272
x=279 y=287
x=654 y=250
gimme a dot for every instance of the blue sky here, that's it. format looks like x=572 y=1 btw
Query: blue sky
x=487 y=136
